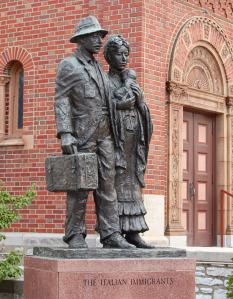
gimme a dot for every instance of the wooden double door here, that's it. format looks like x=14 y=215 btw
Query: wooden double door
x=198 y=178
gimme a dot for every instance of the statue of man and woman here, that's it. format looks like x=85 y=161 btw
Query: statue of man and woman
x=105 y=114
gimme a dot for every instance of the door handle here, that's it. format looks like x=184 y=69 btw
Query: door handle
x=191 y=191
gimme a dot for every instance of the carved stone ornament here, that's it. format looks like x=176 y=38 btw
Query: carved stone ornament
x=174 y=169
x=194 y=34
x=175 y=89
x=206 y=31
x=202 y=72
x=225 y=7
x=224 y=52
x=229 y=101
x=187 y=39
x=177 y=75
x=205 y=21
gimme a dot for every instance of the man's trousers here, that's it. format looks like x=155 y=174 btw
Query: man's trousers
x=105 y=196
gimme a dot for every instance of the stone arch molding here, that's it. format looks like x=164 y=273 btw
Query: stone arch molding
x=202 y=51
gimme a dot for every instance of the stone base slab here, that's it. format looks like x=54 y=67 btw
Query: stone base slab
x=119 y=278
x=108 y=253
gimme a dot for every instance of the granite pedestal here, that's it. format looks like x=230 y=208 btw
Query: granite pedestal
x=161 y=273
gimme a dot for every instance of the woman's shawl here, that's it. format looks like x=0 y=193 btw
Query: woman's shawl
x=145 y=129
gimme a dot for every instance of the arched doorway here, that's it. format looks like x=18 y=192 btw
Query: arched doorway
x=200 y=141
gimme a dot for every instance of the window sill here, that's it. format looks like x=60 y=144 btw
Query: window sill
x=25 y=142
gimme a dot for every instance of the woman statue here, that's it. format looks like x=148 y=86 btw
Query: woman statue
x=134 y=130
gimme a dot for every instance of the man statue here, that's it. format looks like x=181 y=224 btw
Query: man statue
x=84 y=120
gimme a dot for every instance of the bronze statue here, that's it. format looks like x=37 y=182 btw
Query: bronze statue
x=84 y=117
x=133 y=130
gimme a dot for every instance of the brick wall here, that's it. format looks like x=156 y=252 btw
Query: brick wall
x=43 y=29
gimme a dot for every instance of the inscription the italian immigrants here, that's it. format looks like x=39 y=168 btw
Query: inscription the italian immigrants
x=108 y=282
x=98 y=124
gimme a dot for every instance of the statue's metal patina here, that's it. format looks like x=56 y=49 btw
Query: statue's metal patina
x=102 y=115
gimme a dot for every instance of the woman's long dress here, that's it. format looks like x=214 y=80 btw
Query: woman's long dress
x=134 y=131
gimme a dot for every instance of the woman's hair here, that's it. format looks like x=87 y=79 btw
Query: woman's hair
x=112 y=44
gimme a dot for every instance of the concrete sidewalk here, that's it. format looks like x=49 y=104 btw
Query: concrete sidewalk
x=210 y=254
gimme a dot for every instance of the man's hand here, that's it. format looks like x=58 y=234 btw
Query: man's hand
x=125 y=104
x=67 y=143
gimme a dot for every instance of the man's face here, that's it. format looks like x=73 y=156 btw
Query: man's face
x=92 y=42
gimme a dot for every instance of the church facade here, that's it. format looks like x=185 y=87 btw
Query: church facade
x=183 y=55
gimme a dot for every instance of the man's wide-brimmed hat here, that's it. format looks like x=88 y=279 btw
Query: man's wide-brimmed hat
x=86 y=26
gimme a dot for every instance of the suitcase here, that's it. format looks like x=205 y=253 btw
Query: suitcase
x=71 y=172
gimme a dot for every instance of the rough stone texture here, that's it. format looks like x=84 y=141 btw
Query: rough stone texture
x=109 y=278
x=206 y=290
x=211 y=279
x=208 y=281
x=216 y=271
x=200 y=268
x=200 y=273
x=100 y=253
x=220 y=294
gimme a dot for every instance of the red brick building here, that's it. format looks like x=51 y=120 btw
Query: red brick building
x=182 y=52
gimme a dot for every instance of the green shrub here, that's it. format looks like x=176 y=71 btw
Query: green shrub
x=9 y=267
x=229 y=286
x=9 y=213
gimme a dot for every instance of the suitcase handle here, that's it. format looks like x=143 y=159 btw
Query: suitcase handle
x=75 y=149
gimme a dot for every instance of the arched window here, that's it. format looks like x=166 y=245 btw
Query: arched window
x=14 y=100
x=17 y=74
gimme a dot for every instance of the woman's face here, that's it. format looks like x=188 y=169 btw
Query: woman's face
x=119 y=58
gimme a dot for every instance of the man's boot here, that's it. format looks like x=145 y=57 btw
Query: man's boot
x=77 y=241
x=117 y=241
x=135 y=239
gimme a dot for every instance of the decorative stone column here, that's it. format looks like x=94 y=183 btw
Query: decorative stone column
x=174 y=228
x=229 y=200
x=3 y=81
